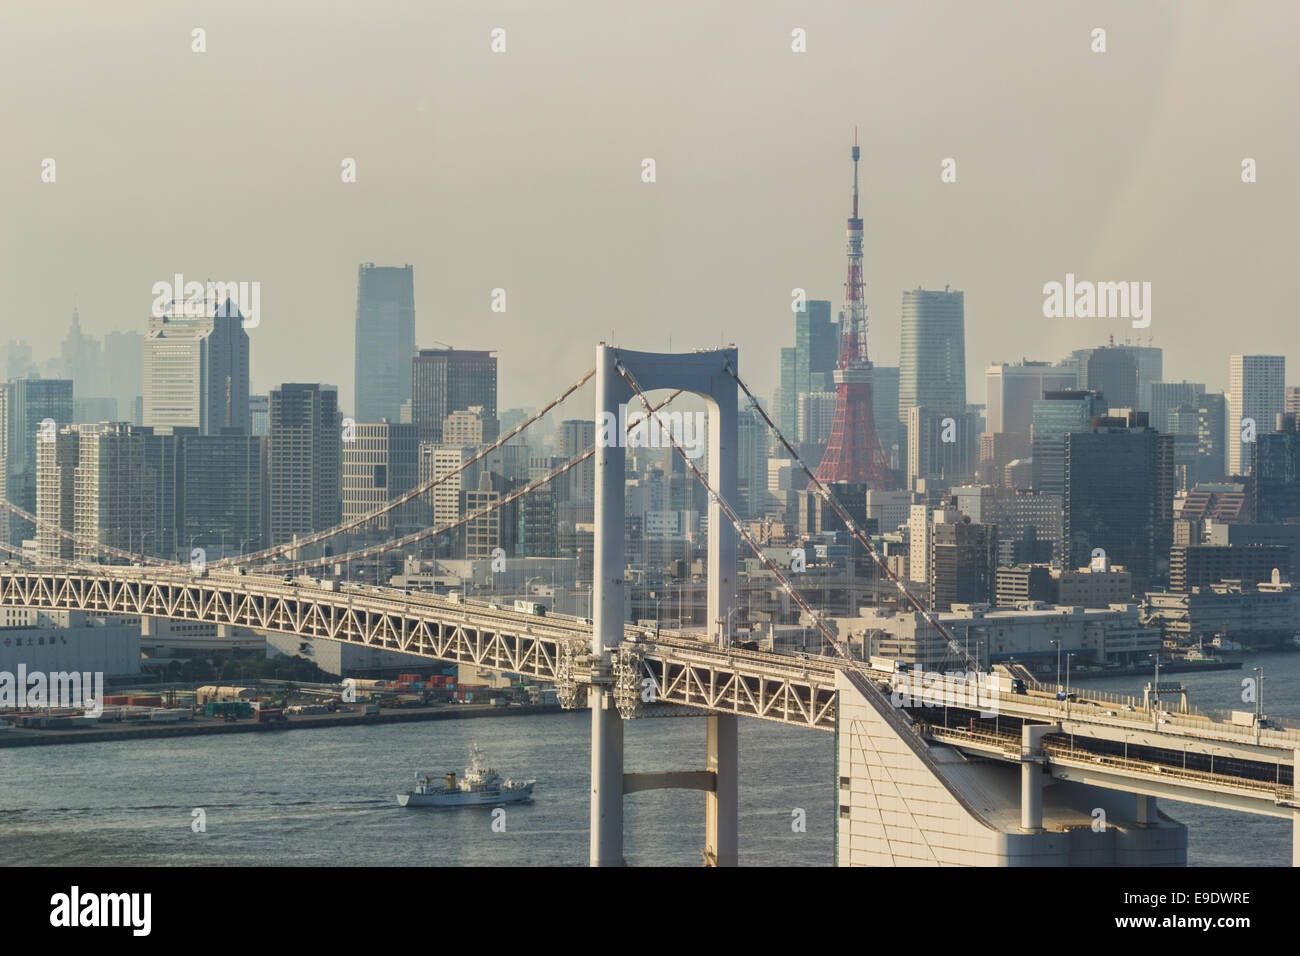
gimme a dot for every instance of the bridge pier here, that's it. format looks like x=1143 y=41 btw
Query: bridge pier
x=1146 y=810
x=606 y=780
x=722 y=804
x=1031 y=776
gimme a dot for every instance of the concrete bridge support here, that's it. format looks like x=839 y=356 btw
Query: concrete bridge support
x=1031 y=776
x=706 y=374
x=1146 y=810
x=721 y=807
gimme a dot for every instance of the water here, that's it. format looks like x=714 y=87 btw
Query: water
x=327 y=796
x=1221 y=837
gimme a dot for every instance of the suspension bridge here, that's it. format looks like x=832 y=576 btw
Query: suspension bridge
x=930 y=771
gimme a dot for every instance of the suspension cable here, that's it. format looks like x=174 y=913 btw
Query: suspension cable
x=87 y=543
x=854 y=530
x=726 y=508
x=418 y=490
x=374 y=550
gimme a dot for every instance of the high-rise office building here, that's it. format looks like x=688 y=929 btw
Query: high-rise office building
x=56 y=473
x=1150 y=363
x=942 y=446
x=304 y=460
x=1055 y=415
x=38 y=408
x=440 y=461
x=963 y=563
x=932 y=356
x=482 y=531
x=920 y=535
x=786 y=398
x=813 y=418
x=111 y=484
x=1182 y=424
x=1212 y=436
x=1123 y=373
x=1275 y=468
x=468 y=426
x=538 y=513
x=751 y=463
x=1119 y=497
x=259 y=415
x=817 y=346
x=448 y=380
x=807 y=367
x=1110 y=371
x=884 y=405
x=114 y=498
x=1013 y=389
x=576 y=436
x=1168 y=395
x=196 y=360
x=1256 y=390
x=223 y=495
x=385 y=340
x=380 y=463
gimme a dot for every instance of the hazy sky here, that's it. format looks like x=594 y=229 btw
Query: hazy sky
x=522 y=170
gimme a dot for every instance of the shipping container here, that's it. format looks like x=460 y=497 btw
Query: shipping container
x=227 y=708
x=151 y=700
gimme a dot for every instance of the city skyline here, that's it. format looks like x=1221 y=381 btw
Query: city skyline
x=297 y=433
x=523 y=182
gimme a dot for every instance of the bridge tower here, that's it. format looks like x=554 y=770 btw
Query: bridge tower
x=708 y=374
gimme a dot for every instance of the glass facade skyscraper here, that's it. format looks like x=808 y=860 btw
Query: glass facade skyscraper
x=808 y=366
x=385 y=340
x=450 y=380
x=1256 y=391
x=1119 y=498
x=1055 y=415
x=304 y=471
x=196 y=358
x=932 y=352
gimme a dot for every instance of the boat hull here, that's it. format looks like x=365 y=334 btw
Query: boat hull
x=483 y=798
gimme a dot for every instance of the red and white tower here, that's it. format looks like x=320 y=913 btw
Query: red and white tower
x=854 y=453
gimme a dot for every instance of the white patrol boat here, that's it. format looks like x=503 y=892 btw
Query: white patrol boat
x=480 y=786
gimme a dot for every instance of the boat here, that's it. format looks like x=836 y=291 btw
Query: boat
x=479 y=786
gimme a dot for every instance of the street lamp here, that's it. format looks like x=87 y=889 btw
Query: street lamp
x=1058 y=663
